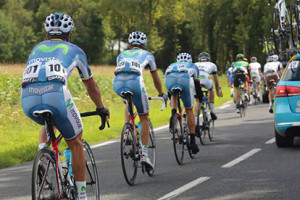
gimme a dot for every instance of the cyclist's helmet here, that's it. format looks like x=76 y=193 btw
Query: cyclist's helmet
x=253 y=59
x=270 y=59
x=58 y=24
x=275 y=57
x=240 y=56
x=204 y=56
x=184 y=57
x=137 y=38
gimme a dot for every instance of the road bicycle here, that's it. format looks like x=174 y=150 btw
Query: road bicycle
x=281 y=27
x=242 y=99
x=50 y=177
x=180 y=130
x=295 y=22
x=131 y=143
x=206 y=128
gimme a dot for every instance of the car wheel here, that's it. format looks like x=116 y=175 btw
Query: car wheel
x=283 y=141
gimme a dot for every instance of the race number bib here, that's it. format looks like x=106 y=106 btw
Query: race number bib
x=135 y=66
x=128 y=65
x=55 y=71
x=182 y=68
x=31 y=72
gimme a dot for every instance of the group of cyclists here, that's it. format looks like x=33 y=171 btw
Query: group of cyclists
x=51 y=62
x=242 y=72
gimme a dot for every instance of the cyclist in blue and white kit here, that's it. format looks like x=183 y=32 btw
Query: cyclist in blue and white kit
x=182 y=74
x=44 y=87
x=129 y=77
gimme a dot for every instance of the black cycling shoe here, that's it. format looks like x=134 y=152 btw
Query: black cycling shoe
x=271 y=110
x=194 y=148
x=213 y=116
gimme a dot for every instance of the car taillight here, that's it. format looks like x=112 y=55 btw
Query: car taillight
x=287 y=91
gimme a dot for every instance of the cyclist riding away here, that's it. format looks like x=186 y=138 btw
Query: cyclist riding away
x=230 y=80
x=256 y=75
x=44 y=86
x=239 y=72
x=129 y=77
x=205 y=65
x=182 y=74
x=271 y=70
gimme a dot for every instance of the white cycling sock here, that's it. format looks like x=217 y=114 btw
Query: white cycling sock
x=211 y=106
x=231 y=91
x=42 y=145
x=81 y=190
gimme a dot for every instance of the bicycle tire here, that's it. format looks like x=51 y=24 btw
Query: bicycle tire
x=178 y=138
x=129 y=154
x=294 y=17
x=44 y=172
x=151 y=149
x=211 y=129
x=92 y=178
x=204 y=129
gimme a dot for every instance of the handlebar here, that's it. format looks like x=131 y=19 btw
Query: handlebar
x=103 y=118
x=163 y=105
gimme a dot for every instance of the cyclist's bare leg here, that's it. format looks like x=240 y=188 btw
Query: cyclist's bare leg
x=43 y=137
x=126 y=113
x=196 y=105
x=145 y=128
x=78 y=158
x=191 y=120
x=211 y=95
x=174 y=102
x=237 y=95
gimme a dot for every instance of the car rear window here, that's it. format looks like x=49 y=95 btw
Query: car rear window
x=292 y=72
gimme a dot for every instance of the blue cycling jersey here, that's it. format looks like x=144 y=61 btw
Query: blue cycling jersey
x=54 y=60
x=188 y=67
x=135 y=60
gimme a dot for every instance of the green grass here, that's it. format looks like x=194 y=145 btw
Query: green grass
x=19 y=135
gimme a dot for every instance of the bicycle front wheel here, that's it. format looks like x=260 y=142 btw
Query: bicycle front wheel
x=152 y=149
x=46 y=183
x=92 y=179
x=178 y=139
x=129 y=154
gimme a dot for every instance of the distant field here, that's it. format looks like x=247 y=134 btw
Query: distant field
x=19 y=135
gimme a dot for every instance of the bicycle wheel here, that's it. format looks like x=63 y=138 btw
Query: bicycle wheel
x=241 y=106
x=178 y=139
x=128 y=154
x=92 y=179
x=204 y=129
x=294 y=16
x=152 y=149
x=211 y=128
x=280 y=38
x=46 y=184
x=187 y=140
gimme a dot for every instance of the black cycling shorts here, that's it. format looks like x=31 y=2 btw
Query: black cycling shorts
x=237 y=77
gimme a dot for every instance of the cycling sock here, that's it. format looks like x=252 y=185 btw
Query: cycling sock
x=231 y=91
x=211 y=106
x=81 y=190
x=173 y=111
x=192 y=136
x=42 y=146
x=270 y=104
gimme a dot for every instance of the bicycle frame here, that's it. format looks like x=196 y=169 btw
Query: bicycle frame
x=283 y=13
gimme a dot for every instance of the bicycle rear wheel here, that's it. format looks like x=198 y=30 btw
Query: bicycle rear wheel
x=204 y=129
x=92 y=179
x=152 y=149
x=129 y=154
x=178 y=139
x=211 y=128
x=187 y=140
x=46 y=184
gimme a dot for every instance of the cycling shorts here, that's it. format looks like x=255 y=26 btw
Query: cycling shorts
x=57 y=98
x=205 y=81
x=134 y=83
x=237 y=77
x=231 y=79
x=185 y=83
x=256 y=79
x=270 y=78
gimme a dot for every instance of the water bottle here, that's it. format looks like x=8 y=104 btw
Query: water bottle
x=64 y=165
x=68 y=158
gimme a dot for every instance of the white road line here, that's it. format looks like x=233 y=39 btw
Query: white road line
x=184 y=188
x=241 y=158
x=271 y=141
x=102 y=144
x=161 y=127
x=225 y=106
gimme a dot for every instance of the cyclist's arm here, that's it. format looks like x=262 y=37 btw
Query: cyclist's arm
x=216 y=80
x=157 y=82
x=94 y=92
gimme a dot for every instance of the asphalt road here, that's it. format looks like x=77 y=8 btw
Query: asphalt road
x=242 y=163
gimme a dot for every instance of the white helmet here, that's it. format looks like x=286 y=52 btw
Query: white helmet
x=253 y=59
x=58 y=24
x=275 y=57
x=137 y=38
x=184 y=57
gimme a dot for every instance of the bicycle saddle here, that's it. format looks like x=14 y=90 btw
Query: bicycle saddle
x=42 y=113
x=126 y=93
x=176 y=89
